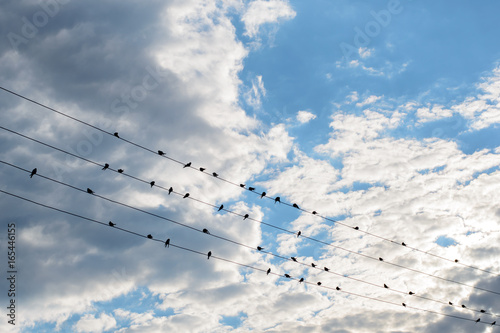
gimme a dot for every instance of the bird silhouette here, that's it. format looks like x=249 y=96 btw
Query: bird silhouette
x=493 y=323
x=220 y=208
x=209 y=254
x=152 y=183
x=251 y=188
x=167 y=243
x=356 y=228
x=116 y=134
x=268 y=271
x=294 y=259
x=106 y=165
x=296 y=206
x=206 y=231
x=385 y=286
x=411 y=293
x=111 y=224
x=404 y=304
x=319 y=283
x=464 y=306
x=170 y=190
x=450 y=303
x=403 y=244
x=245 y=217
x=301 y=280
x=260 y=248
x=338 y=288
x=326 y=269
x=187 y=165
x=160 y=153
x=287 y=276
x=150 y=236
x=314 y=212
x=202 y=169
x=456 y=260
x=120 y=170
x=313 y=265
x=185 y=196
x=263 y=195
x=478 y=320
x=380 y=259
x=277 y=199
x=299 y=233
x=242 y=185
x=215 y=174
x=89 y=191
x=33 y=172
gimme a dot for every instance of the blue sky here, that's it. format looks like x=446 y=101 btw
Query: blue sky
x=382 y=115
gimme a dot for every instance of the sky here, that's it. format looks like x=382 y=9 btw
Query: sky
x=378 y=115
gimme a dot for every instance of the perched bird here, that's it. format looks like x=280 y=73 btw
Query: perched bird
x=89 y=191
x=209 y=254
x=294 y=259
x=385 y=286
x=152 y=183
x=478 y=320
x=403 y=244
x=263 y=195
x=150 y=237
x=404 y=304
x=206 y=231
x=314 y=212
x=160 y=153
x=187 y=165
x=338 y=288
x=167 y=243
x=326 y=269
x=411 y=293
x=202 y=169
x=170 y=190
x=356 y=228
x=483 y=311
x=380 y=259
x=242 y=185
x=116 y=134
x=319 y=283
x=301 y=280
x=260 y=248
x=268 y=271
x=185 y=196
x=299 y=233
x=251 y=188
x=277 y=199
x=220 y=208
x=493 y=323
x=106 y=165
x=450 y=303
x=215 y=174
x=287 y=276
x=245 y=217
x=313 y=265
x=33 y=172
x=464 y=306
x=111 y=224
x=296 y=206
x=120 y=170
x=456 y=260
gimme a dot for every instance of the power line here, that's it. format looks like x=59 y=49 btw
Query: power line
x=248 y=246
x=455 y=261
x=150 y=237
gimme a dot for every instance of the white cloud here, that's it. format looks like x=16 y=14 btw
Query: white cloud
x=435 y=112
x=369 y=100
x=90 y=324
x=253 y=95
x=260 y=12
x=365 y=52
x=305 y=116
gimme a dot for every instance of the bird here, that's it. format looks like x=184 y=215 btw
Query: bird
x=450 y=303
x=187 y=165
x=478 y=320
x=464 y=306
x=356 y=228
x=326 y=269
x=33 y=172
x=260 y=248
x=251 y=188
x=116 y=134
x=385 y=286
x=206 y=231
x=314 y=212
x=277 y=199
x=483 y=311
x=294 y=259
x=411 y=293
x=301 y=280
x=89 y=191
x=209 y=254
x=299 y=233
x=456 y=260
x=263 y=195
x=338 y=288
x=493 y=323
x=268 y=271
x=167 y=243
x=296 y=206
x=202 y=169
x=220 y=208
x=319 y=283
x=120 y=170
x=152 y=183
x=170 y=190
x=287 y=276
x=106 y=165
x=242 y=185
x=160 y=153
x=111 y=224
x=245 y=217
x=313 y=265
x=185 y=196
x=215 y=174
x=380 y=259
x=404 y=304
x=150 y=237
